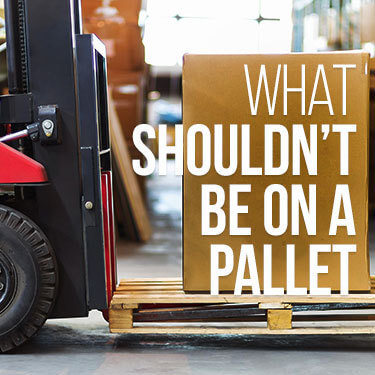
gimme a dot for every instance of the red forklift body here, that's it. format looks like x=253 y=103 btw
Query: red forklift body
x=61 y=87
x=57 y=242
x=17 y=168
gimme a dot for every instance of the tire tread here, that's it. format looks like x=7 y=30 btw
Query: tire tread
x=30 y=233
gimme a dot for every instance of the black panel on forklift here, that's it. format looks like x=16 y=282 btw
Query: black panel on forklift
x=52 y=66
x=52 y=80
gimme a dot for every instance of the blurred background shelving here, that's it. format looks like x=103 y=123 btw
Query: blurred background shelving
x=146 y=40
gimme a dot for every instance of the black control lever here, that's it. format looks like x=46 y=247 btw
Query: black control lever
x=31 y=131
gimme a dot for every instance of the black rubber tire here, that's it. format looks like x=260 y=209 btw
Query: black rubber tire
x=29 y=262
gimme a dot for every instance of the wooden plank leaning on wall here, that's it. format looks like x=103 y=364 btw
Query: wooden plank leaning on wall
x=127 y=183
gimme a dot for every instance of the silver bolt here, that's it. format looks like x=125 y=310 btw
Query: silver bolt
x=48 y=124
x=89 y=205
x=1 y=286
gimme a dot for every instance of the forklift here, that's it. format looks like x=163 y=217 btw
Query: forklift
x=57 y=243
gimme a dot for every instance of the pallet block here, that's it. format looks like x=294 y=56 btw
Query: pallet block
x=159 y=305
x=279 y=319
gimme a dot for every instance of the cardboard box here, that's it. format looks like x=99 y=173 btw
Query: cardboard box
x=124 y=45
x=215 y=92
x=128 y=93
x=127 y=9
x=116 y=25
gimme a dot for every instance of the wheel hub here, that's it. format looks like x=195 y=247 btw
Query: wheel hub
x=7 y=281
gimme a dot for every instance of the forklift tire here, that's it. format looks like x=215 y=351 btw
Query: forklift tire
x=28 y=278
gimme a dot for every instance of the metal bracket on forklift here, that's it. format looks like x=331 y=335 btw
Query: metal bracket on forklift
x=46 y=130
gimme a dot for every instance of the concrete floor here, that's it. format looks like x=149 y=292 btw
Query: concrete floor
x=84 y=346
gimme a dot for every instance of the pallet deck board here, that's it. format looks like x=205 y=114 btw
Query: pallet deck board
x=170 y=290
x=154 y=295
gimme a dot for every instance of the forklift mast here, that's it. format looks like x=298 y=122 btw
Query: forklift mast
x=58 y=94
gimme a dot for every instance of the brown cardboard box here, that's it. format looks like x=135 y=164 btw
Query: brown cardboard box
x=116 y=25
x=128 y=9
x=124 y=46
x=215 y=92
x=128 y=91
x=128 y=94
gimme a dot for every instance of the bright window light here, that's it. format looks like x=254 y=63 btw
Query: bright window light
x=275 y=37
x=161 y=41
x=219 y=8
x=212 y=36
x=176 y=27
x=276 y=8
x=162 y=8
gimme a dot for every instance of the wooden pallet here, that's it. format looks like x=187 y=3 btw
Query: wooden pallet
x=152 y=306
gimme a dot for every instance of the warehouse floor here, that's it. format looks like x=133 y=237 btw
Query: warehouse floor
x=84 y=346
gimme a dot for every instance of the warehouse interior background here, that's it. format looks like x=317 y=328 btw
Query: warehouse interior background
x=145 y=43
